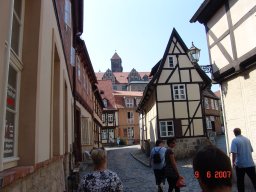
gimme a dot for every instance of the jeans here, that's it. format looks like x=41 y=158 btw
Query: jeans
x=240 y=173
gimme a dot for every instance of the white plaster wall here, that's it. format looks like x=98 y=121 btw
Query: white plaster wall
x=184 y=61
x=217 y=57
x=185 y=76
x=192 y=109
x=165 y=110
x=239 y=8
x=164 y=75
x=164 y=93
x=198 y=126
x=243 y=44
x=49 y=33
x=151 y=120
x=239 y=103
x=181 y=110
x=193 y=92
x=175 y=77
x=219 y=23
x=195 y=76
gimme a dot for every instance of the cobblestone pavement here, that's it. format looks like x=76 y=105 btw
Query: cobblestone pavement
x=138 y=177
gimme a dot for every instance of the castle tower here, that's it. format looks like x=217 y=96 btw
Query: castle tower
x=116 y=63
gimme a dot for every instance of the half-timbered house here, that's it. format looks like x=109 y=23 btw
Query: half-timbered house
x=172 y=105
x=230 y=30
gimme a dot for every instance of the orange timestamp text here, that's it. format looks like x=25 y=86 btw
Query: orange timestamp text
x=215 y=174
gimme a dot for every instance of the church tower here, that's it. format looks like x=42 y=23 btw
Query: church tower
x=116 y=63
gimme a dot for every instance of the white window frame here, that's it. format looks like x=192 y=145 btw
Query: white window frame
x=21 y=28
x=179 y=93
x=130 y=132
x=105 y=101
x=110 y=118
x=129 y=102
x=206 y=103
x=171 y=63
x=163 y=126
x=131 y=119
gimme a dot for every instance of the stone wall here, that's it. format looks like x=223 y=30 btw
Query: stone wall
x=187 y=147
x=49 y=178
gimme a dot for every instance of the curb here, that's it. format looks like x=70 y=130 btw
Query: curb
x=141 y=161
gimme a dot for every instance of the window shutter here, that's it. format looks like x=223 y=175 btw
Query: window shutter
x=177 y=128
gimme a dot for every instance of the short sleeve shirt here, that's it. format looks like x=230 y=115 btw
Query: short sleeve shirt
x=242 y=147
x=162 y=155
x=101 y=181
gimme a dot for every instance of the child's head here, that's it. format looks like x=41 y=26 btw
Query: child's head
x=213 y=169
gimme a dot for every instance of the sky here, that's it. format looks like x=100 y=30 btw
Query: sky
x=139 y=30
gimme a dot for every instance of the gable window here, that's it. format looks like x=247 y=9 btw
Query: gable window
x=129 y=102
x=171 y=61
x=166 y=128
x=110 y=118
x=130 y=117
x=179 y=92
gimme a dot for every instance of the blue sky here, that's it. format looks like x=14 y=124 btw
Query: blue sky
x=139 y=31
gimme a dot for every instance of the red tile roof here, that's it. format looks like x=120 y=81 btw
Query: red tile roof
x=106 y=90
x=217 y=93
x=121 y=77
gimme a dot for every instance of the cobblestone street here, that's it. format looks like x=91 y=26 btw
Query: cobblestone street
x=137 y=177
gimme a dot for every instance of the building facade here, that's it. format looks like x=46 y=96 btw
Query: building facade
x=36 y=97
x=128 y=129
x=232 y=47
x=172 y=104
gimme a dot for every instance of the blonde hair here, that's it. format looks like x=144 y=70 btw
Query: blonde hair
x=98 y=156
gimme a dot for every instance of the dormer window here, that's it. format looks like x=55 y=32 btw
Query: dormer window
x=129 y=102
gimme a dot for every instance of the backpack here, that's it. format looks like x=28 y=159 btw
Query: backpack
x=157 y=157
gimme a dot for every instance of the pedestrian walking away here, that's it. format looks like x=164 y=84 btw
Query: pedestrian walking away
x=170 y=169
x=157 y=162
x=101 y=179
x=241 y=150
x=213 y=170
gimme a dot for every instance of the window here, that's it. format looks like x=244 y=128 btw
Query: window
x=125 y=132
x=166 y=129
x=212 y=103
x=103 y=118
x=105 y=101
x=86 y=132
x=137 y=101
x=67 y=16
x=104 y=134
x=171 y=63
x=114 y=87
x=130 y=117
x=17 y=24
x=130 y=133
x=110 y=118
x=78 y=68
x=216 y=104
x=179 y=92
x=124 y=88
x=206 y=103
x=11 y=113
x=129 y=102
x=208 y=123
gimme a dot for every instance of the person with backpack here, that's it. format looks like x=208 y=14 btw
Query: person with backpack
x=157 y=162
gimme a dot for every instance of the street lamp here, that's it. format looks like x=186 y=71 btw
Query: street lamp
x=194 y=54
